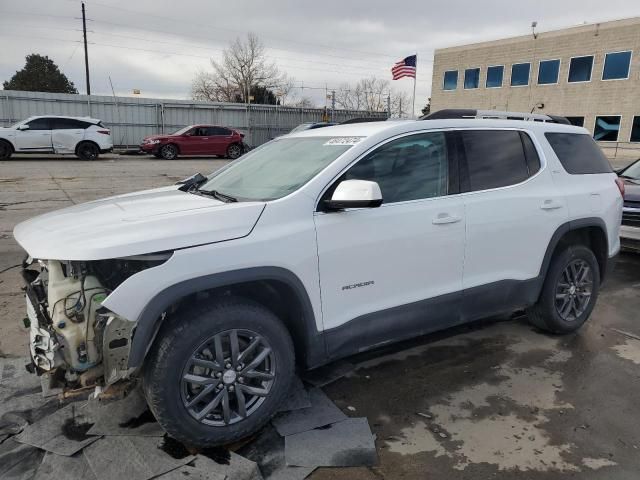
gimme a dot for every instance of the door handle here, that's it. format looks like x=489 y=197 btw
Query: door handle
x=444 y=218
x=550 y=204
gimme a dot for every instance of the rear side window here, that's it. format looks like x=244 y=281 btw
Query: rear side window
x=578 y=153
x=219 y=131
x=69 y=124
x=495 y=158
x=530 y=154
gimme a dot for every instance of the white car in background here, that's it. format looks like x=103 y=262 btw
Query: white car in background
x=82 y=136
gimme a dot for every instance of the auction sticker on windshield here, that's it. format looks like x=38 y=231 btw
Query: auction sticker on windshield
x=343 y=141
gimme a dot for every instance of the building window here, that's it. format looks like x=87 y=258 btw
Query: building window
x=580 y=69
x=635 y=130
x=616 y=66
x=450 y=80
x=607 y=128
x=471 y=78
x=494 y=76
x=520 y=74
x=548 y=72
x=577 y=121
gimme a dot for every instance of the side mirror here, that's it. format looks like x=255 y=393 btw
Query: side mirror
x=23 y=127
x=355 y=194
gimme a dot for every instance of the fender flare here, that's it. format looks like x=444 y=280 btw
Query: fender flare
x=560 y=232
x=149 y=321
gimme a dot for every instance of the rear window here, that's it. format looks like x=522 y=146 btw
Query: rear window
x=578 y=153
x=495 y=158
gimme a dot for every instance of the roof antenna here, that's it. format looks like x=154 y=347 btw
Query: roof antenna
x=534 y=24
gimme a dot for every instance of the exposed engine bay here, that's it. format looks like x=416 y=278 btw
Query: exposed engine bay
x=72 y=336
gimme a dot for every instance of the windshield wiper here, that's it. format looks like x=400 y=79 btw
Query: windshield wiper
x=220 y=196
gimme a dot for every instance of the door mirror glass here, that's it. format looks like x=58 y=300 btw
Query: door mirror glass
x=355 y=194
x=23 y=127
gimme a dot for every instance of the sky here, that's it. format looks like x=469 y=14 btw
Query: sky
x=158 y=46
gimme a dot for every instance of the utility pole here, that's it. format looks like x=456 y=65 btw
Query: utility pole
x=333 y=104
x=389 y=105
x=86 y=52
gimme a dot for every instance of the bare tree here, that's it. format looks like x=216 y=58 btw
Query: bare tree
x=244 y=66
x=371 y=94
x=304 y=102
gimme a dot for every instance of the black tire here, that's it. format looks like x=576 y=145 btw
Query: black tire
x=177 y=347
x=5 y=150
x=87 y=151
x=169 y=151
x=234 y=151
x=547 y=313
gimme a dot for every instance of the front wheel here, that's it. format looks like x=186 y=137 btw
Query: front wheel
x=234 y=151
x=169 y=152
x=569 y=293
x=87 y=151
x=5 y=150
x=218 y=371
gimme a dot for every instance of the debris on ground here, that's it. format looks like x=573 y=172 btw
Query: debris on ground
x=298 y=397
x=349 y=443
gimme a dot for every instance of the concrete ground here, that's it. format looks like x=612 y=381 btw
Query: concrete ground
x=491 y=400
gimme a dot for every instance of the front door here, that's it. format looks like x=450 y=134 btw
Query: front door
x=394 y=271
x=37 y=138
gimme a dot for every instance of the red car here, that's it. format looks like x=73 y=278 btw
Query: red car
x=195 y=140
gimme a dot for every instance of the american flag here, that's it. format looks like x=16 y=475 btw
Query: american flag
x=405 y=67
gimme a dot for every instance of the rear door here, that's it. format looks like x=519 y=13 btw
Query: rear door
x=37 y=138
x=218 y=140
x=394 y=271
x=513 y=209
x=67 y=133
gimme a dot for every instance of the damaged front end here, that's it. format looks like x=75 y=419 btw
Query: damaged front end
x=73 y=338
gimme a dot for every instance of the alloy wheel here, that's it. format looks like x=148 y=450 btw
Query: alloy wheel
x=234 y=152
x=573 y=290
x=88 y=151
x=228 y=377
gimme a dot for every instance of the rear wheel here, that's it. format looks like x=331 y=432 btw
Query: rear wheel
x=87 y=151
x=5 y=150
x=234 y=151
x=169 y=152
x=219 y=371
x=569 y=293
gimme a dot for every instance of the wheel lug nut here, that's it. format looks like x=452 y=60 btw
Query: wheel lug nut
x=228 y=365
x=241 y=379
x=239 y=367
x=231 y=388
x=219 y=374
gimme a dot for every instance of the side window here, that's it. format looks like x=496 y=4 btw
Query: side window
x=409 y=168
x=494 y=158
x=68 y=124
x=578 y=153
x=530 y=154
x=218 y=131
x=40 y=124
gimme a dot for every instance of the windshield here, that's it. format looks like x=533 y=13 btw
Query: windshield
x=183 y=130
x=278 y=168
x=301 y=127
x=633 y=171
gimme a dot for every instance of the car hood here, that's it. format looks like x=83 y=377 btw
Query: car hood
x=631 y=190
x=133 y=224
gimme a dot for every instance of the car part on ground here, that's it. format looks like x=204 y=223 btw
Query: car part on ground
x=282 y=249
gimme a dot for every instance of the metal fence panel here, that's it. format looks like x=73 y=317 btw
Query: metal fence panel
x=131 y=119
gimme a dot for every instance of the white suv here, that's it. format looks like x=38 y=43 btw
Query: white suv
x=85 y=137
x=315 y=246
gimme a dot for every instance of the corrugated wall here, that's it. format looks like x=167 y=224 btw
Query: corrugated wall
x=131 y=119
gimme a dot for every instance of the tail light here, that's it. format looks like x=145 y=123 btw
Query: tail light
x=105 y=132
x=620 y=185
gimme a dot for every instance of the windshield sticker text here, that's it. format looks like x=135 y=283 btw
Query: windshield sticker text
x=343 y=141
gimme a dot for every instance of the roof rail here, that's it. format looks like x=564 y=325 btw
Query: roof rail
x=450 y=113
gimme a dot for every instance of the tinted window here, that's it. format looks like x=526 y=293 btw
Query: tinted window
x=577 y=121
x=40 y=124
x=530 y=154
x=607 y=128
x=578 y=153
x=68 y=124
x=494 y=158
x=635 y=130
x=472 y=78
x=548 y=72
x=409 y=168
x=494 y=76
x=450 y=80
x=520 y=74
x=616 y=66
x=580 y=69
x=218 y=131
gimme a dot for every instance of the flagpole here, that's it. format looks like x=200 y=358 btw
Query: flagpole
x=413 y=103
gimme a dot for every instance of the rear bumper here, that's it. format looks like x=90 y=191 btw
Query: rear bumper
x=630 y=238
